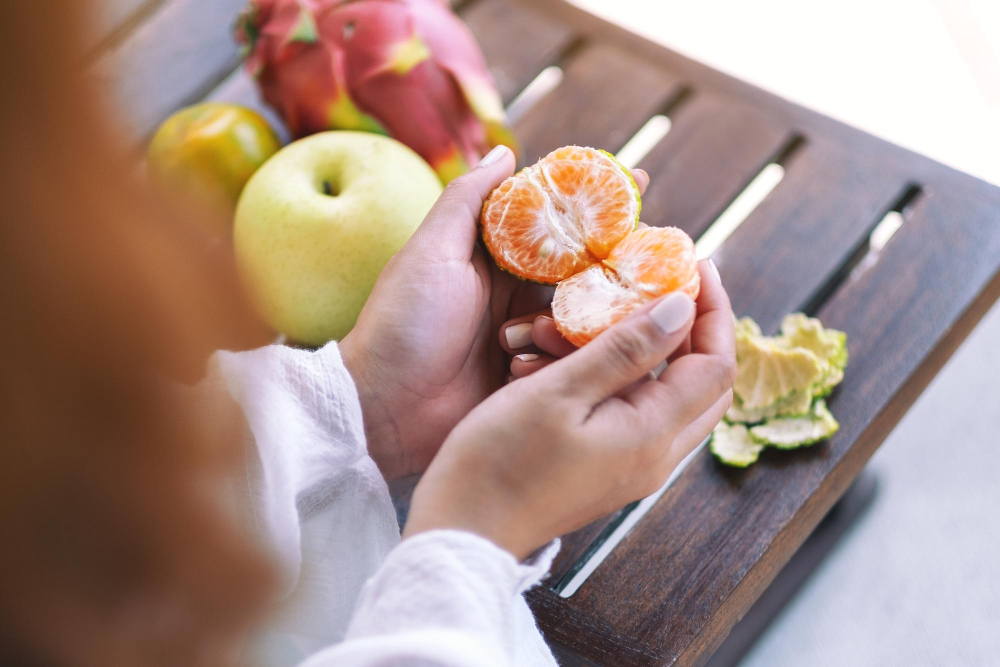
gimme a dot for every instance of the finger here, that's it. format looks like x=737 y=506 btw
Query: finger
x=692 y=383
x=625 y=352
x=682 y=349
x=713 y=331
x=541 y=336
x=641 y=225
x=687 y=389
x=666 y=453
x=523 y=365
x=641 y=179
x=696 y=432
x=548 y=339
x=516 y=334
x=450 y=229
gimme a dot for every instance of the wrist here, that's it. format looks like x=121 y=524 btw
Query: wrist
x=512 y=543
x=381 y=435
x=439 y=505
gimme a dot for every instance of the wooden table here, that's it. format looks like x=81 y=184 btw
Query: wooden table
x=672 y=590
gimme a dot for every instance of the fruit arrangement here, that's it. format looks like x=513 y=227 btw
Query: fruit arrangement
x=409 y=68
x=781 y=383
x=572 y=220
x=315 y=225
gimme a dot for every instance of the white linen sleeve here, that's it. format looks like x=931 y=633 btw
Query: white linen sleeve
x=314 y=494
x=446 y=598
x=305 y=423
x=319 y=501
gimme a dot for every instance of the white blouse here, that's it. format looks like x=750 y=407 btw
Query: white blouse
x=354 y=594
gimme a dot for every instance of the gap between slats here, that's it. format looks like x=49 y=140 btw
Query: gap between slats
x=762 y=185
x=866 y=255
x=544 y=83
x=653 y=131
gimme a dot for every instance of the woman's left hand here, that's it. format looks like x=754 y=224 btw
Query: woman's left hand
x=425 y=349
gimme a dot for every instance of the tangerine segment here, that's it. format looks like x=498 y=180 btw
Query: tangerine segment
x=589 y=302
x=649 y=263
x=560 y=215
x=656 y=260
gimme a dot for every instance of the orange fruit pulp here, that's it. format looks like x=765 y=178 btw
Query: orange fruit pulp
x=571 y=219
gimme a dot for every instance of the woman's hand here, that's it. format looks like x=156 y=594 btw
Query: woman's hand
x=585 y=434
x=534 y=342
x=424 y=351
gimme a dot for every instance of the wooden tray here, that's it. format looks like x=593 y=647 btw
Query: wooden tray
x=671 y=591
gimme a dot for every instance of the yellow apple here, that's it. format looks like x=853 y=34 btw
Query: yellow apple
x=318 y=221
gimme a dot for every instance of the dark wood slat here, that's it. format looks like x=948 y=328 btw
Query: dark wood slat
x=826 y=206
x=790 y=580
x=933 y=281
x=605 y=96
x=174 y=58
x=603 y=644
x=107 y=18
x=518 y=43
x=715 y=147
x=575 y=547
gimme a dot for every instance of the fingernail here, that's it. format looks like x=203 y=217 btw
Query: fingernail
x=672 y=312
x=544 y=317
x=518 y=335
x=715 y=269
x=526 y=357
x=493 y=155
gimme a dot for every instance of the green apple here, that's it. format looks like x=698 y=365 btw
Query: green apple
x=318 y=221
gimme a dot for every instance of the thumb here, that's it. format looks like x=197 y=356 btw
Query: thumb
x=450 y=230
x=627 y=351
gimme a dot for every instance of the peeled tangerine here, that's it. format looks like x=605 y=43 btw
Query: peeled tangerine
x=570 y=219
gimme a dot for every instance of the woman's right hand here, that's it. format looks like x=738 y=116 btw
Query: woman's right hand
x=586 y=434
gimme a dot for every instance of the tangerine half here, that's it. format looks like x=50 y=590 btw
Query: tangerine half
x=561 y=214
x=571 y=219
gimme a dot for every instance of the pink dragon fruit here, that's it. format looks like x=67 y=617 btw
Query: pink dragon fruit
x=407 y=68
